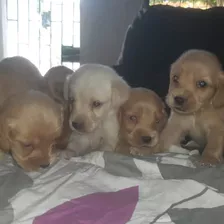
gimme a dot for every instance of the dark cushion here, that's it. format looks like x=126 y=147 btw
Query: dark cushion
x=158 y=36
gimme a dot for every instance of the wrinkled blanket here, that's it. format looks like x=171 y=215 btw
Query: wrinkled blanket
x=107 y=188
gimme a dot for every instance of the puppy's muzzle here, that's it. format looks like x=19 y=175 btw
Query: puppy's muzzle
x=179 y=100
x=146 y=139
x=78 y=125
x=45 y=166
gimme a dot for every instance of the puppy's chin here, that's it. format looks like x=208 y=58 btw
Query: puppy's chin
x=185 y=110
x=32 y=163
x=85 y=130
x=143 y=146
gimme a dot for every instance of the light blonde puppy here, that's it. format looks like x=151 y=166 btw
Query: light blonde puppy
x=95 y=93
x=142 y=118
x=196 y=98
x=30 y=123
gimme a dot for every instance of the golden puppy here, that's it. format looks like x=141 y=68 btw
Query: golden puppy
x=55 y=79
x=196 y=98
x=142 y=118
x=17 y=74
x=30 y=122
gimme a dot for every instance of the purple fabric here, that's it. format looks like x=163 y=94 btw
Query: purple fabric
x=98 y=208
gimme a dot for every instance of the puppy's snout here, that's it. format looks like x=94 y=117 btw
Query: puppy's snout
x=45 y=166
x=78 y=125
x=146 y=139
x=179 y=100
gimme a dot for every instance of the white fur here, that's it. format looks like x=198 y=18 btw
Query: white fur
x=89 y=83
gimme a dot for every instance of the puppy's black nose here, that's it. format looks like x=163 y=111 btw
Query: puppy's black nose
x=179 y=100
x=78 y=125
x=45 y=166
x=146 y=139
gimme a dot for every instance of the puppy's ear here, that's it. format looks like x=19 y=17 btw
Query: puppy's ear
x=120 y=92
x=120 y=115
x=6 y=134
x=218 y=99
x=66 y=86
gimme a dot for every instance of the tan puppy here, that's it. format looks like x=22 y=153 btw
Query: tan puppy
x=142 y=118
x=30 y=122
x=18 y=74
x=196 y=98
x=55 y=79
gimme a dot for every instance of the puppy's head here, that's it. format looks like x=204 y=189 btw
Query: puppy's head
x=142 y=118
x=195 y=81
x=55 y=79
x=30 y=123
x=93 y=91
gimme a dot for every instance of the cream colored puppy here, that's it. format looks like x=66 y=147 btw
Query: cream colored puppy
x=94 y=93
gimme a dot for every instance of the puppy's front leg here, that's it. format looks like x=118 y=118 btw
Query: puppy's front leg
x=172 y=134
x=213 y=152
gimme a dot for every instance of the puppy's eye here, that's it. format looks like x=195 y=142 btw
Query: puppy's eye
x=175 y=79
x=157 y=121
x=28 y=145
x=97 y=104
x=201 y=84
x=133 y=118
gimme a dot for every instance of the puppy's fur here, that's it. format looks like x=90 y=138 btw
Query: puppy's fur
x=18 y=74
x=30 y=122
x=142 y=118
x=54 y=80
x=95 y=93
x=196 y=98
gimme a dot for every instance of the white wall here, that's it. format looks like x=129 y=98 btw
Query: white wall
x=103 y=27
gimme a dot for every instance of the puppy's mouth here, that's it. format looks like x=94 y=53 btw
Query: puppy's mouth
x=144 y=146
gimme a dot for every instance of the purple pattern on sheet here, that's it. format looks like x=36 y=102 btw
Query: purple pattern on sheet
x=98 y=208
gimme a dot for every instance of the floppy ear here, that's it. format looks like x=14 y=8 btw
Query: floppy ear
x=6 y=134
x=66 y=86
x=218 y=99
x=120 y=92
x=58 y=91
x=120 y=115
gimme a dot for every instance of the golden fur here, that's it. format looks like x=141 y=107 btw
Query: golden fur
x=196 y=98
x=17 y=74
x=30 y=122
x=54 y=80
x=142 y=118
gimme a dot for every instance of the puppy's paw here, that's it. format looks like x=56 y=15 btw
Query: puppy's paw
x=209 y=161
x=135 y=151
x=67 y=154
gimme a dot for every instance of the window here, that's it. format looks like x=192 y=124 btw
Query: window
x=37 y=30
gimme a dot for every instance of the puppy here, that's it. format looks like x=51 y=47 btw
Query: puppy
x=95 y=93
x=30 y=122
x=54 y=81
x=196 y=98
x=17 y=74
x=142 y=118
